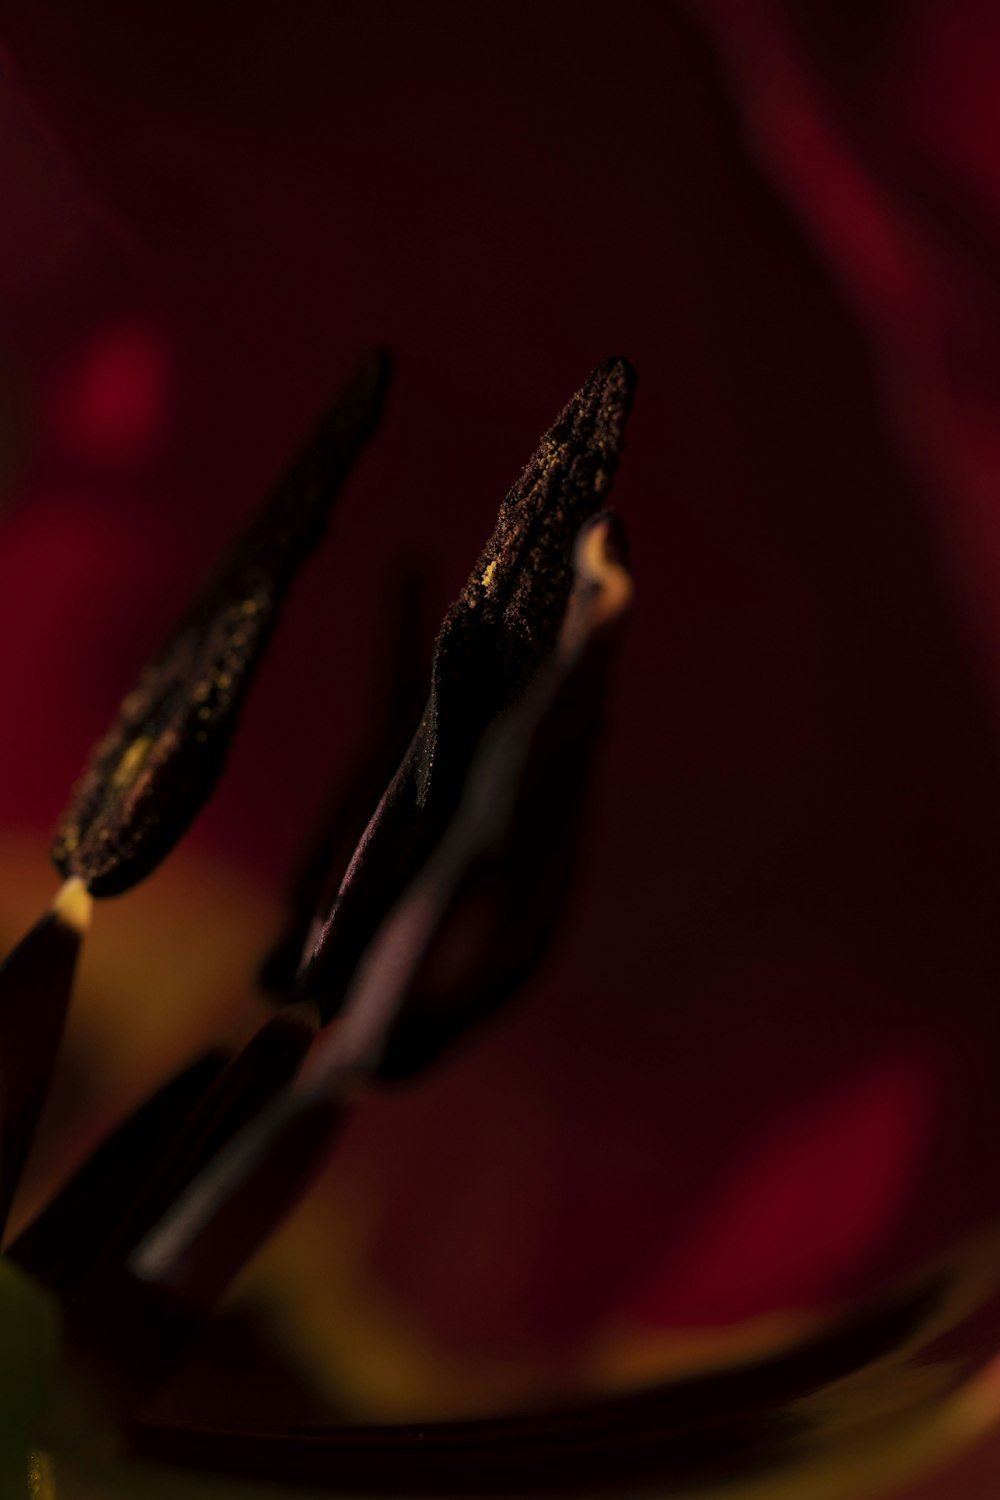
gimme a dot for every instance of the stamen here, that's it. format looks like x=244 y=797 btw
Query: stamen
x=160 y=761
x=495 y=637
x=238 y=1200
x=62 y=1244
x=36 y=982
x=482 y=912
x=255 y=1076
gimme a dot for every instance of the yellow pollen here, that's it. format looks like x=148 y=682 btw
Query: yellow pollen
x=487 y=577
x=73 y=905
x=132 y=761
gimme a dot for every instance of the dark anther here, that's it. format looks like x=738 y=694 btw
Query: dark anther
x=496 y=636
x=160 y=761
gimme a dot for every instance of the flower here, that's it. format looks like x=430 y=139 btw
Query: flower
x=738 y=532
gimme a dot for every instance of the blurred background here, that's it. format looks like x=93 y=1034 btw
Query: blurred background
x=758 y=1074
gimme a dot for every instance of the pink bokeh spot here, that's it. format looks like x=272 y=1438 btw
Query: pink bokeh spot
x=109 y=403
